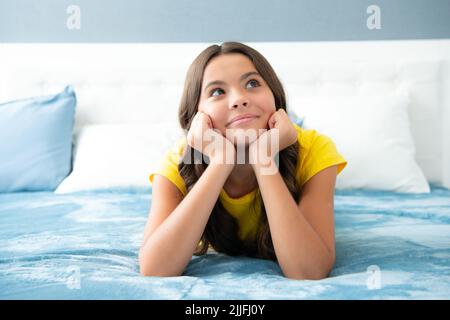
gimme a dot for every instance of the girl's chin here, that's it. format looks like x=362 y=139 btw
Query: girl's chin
x=245 y=129
x=245 y=137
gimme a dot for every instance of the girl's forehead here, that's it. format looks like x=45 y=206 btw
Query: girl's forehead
x=227 y=70
x=228 y=64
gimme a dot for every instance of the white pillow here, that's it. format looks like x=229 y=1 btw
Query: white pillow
x=118 y=156
x=373 y=134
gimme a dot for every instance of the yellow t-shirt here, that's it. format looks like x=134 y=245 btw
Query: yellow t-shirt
x=316 y=152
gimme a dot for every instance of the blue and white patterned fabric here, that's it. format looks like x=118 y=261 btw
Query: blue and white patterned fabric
x=85 y=246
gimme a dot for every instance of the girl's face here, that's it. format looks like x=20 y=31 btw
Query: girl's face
x=231 y=87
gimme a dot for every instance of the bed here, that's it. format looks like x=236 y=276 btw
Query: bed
x=83 y=242
x=85 y=246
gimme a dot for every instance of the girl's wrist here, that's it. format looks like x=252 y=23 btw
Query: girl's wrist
x=226 y=156
x=265 y=166
x=260 y=154
x=223 y=166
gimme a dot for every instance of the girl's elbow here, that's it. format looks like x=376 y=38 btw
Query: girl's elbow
x=145 y=272
x=318 y=273
x=148 y=270
x=149 y=273
x=306 y=276
x=145 y=268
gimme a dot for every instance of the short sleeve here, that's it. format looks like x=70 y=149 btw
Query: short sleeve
x=320 y=153
x=168 y=167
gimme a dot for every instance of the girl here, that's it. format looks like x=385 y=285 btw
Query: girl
x=238 y=208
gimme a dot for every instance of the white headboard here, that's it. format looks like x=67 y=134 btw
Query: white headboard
x=142 y=83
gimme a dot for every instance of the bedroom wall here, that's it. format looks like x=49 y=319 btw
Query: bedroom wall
x=248 y=21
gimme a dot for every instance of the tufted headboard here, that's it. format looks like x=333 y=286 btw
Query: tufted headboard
x=142 y=83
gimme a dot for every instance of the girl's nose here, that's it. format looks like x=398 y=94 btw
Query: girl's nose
x=239 y=102
x=242 y=104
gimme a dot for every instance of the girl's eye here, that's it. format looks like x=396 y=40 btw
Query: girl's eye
x=254 y=83
x=214 y=90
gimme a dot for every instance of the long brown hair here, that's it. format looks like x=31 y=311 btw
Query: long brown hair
x=221 y=231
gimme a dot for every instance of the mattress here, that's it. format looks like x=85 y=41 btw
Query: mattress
x=85 y=246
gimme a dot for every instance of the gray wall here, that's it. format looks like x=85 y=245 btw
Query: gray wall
x=220 y=20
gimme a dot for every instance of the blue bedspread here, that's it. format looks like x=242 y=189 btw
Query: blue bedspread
x=85 y=246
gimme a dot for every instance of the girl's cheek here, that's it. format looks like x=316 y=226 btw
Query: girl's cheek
x=206 y=108
x=267 y=101
x=218 y=117
x=203 y=107
x=219 y=112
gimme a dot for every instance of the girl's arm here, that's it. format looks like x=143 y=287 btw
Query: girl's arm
x=169 y=248
x=170 y=244
x=302 y=233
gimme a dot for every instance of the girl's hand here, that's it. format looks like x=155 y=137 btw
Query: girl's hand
x=267 y=142
x=209 y=141
x=287 y=133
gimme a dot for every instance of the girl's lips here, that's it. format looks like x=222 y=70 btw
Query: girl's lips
x=241 y=121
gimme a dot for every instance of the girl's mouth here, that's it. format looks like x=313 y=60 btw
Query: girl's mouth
x=242 y=121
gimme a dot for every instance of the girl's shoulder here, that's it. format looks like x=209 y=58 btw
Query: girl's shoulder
x=168 y=165
x=317 y=151
x=307 y=137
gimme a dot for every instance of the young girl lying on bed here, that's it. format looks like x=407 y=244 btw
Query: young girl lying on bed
x=275 y=203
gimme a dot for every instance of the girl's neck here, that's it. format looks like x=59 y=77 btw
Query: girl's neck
x=242 y=180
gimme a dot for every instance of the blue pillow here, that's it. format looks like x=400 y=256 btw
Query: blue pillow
x=36 y=142
x=296 y=119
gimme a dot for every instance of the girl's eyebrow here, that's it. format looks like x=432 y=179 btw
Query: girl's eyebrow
x=219 y=82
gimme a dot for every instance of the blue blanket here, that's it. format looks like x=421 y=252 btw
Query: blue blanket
x=85 y=246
